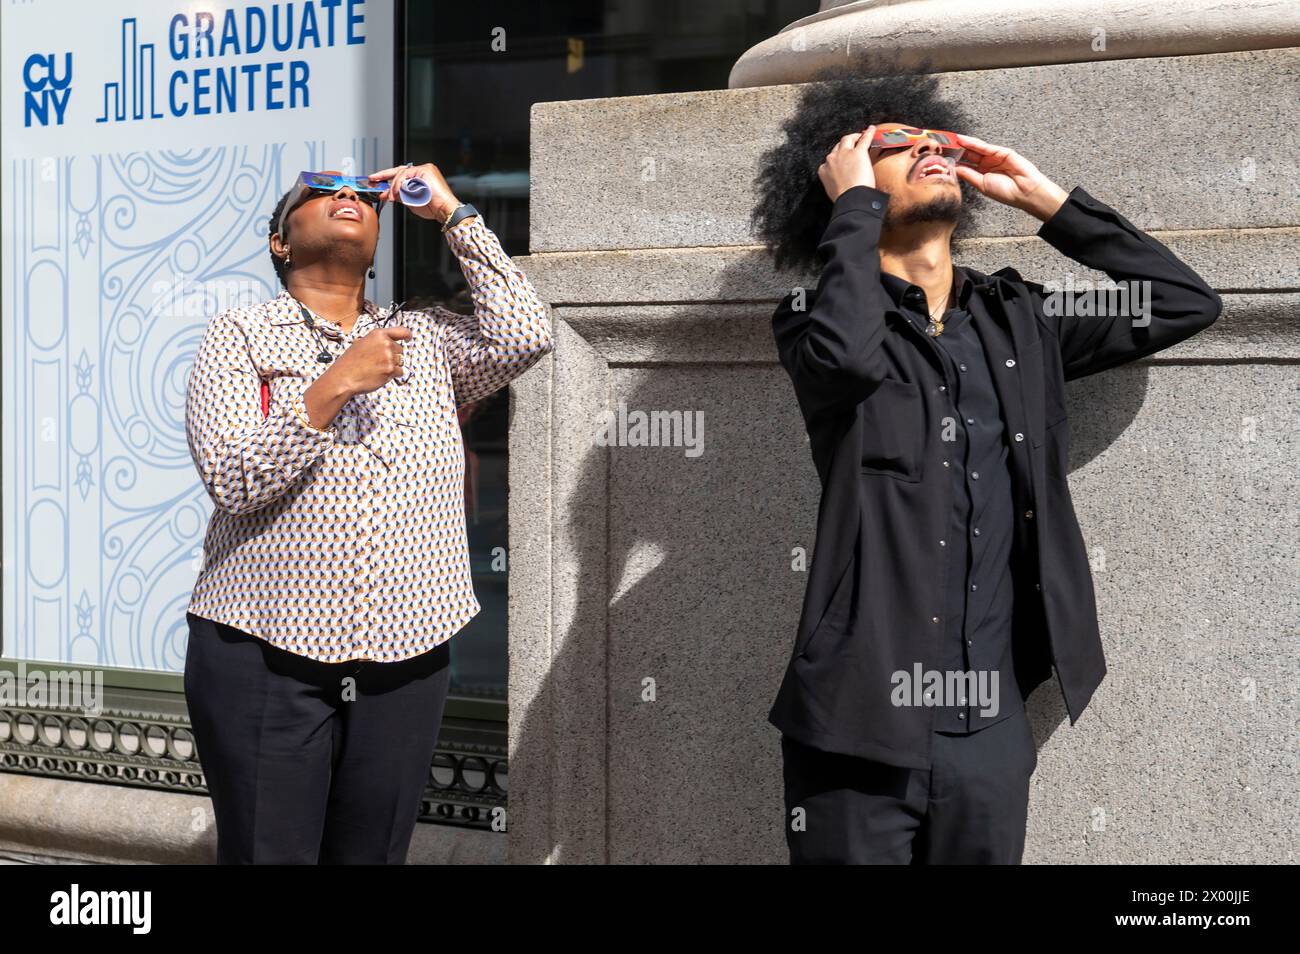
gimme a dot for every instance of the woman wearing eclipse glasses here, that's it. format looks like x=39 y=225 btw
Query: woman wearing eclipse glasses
x=336 y=568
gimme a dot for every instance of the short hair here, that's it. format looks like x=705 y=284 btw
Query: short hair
x=277 y=262
x=793 y=209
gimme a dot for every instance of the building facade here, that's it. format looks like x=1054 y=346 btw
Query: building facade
x=640 y=600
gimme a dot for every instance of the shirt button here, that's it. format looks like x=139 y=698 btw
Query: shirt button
x=1029 y=515
x=961 y=715
x=943 y=543
x=934 y=619
x=1011 y=362
x=943 y=387
x=969 y=643
x=974 y=475
x=1020 y=437
x=970 y=420
x=976 y=531
x=962 y=366
x=875 y=203
x=974 y=587
x=946 y=464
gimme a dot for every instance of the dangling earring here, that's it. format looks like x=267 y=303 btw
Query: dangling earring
x=287 y=260
x=371 y=274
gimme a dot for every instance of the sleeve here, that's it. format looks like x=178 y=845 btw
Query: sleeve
x=245 y=460
x=831 y=346
x=509 y=331
x=1177 y=302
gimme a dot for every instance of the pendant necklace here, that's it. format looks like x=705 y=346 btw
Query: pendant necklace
x=935 y=328
x=325 y=356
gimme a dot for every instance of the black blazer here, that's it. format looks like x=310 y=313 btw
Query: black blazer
x=869 y=385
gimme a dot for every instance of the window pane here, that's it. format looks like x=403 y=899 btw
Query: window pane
x=473 y=71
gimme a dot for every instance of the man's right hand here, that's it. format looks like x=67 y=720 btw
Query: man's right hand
x=848 y=164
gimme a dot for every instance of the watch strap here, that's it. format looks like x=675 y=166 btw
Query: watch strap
x=462 y=211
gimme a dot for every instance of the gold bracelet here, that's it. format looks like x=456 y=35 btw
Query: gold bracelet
x=331 y=430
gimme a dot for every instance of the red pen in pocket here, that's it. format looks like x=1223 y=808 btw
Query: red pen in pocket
x=266 y=397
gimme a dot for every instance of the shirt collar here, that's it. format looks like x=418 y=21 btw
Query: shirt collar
x=288 y=305
x=898 y=288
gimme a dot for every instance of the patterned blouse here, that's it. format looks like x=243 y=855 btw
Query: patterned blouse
x=349 y=542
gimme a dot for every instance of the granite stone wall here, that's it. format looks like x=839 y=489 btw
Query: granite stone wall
x=653 y=602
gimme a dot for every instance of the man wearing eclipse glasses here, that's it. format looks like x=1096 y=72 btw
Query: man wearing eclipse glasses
x=336 y=569
x=950 y=576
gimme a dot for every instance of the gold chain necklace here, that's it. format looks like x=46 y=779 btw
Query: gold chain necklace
x=339 y=324
x=935 y=328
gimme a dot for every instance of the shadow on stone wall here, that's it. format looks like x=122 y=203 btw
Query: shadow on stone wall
x=696 y=559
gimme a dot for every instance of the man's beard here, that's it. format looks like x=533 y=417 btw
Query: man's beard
x=942 y=208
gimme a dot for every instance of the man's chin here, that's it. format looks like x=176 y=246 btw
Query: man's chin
x=945 y=208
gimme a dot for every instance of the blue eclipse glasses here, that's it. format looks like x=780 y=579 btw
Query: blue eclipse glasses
x=311 y=184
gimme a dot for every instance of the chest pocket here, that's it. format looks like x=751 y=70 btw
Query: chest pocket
x=893 y=431
x=425 y=394
x=1035 y=379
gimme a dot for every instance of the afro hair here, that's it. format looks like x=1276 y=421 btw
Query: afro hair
x=792 y=208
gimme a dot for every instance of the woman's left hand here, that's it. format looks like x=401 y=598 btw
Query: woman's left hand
x=441 y=205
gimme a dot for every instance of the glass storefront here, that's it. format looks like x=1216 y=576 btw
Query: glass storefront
x=473 y=72
x=107 y=520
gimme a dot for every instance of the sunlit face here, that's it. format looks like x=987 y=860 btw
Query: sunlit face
x=341 y=223
x=921 y=178
x=343 y=213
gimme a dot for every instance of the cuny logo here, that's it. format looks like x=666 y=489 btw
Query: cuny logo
x=238 y=61
x=46 y=89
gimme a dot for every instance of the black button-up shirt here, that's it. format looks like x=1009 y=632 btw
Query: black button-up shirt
x=864 y=380
x=979 y=597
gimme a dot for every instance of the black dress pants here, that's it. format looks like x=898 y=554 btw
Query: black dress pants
x=970 y=807
x=310 y=762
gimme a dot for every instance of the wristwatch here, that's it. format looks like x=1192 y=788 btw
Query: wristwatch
x=462 y=211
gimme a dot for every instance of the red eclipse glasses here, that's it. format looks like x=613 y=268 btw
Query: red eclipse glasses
x=949 y=143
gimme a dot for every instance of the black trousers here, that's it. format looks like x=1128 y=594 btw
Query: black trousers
x=309 y=762
x=969 y=807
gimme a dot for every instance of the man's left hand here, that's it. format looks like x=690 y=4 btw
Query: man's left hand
x=1008 y=177
x=441 y=205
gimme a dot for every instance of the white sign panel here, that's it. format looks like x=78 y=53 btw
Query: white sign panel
x=144 y=147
